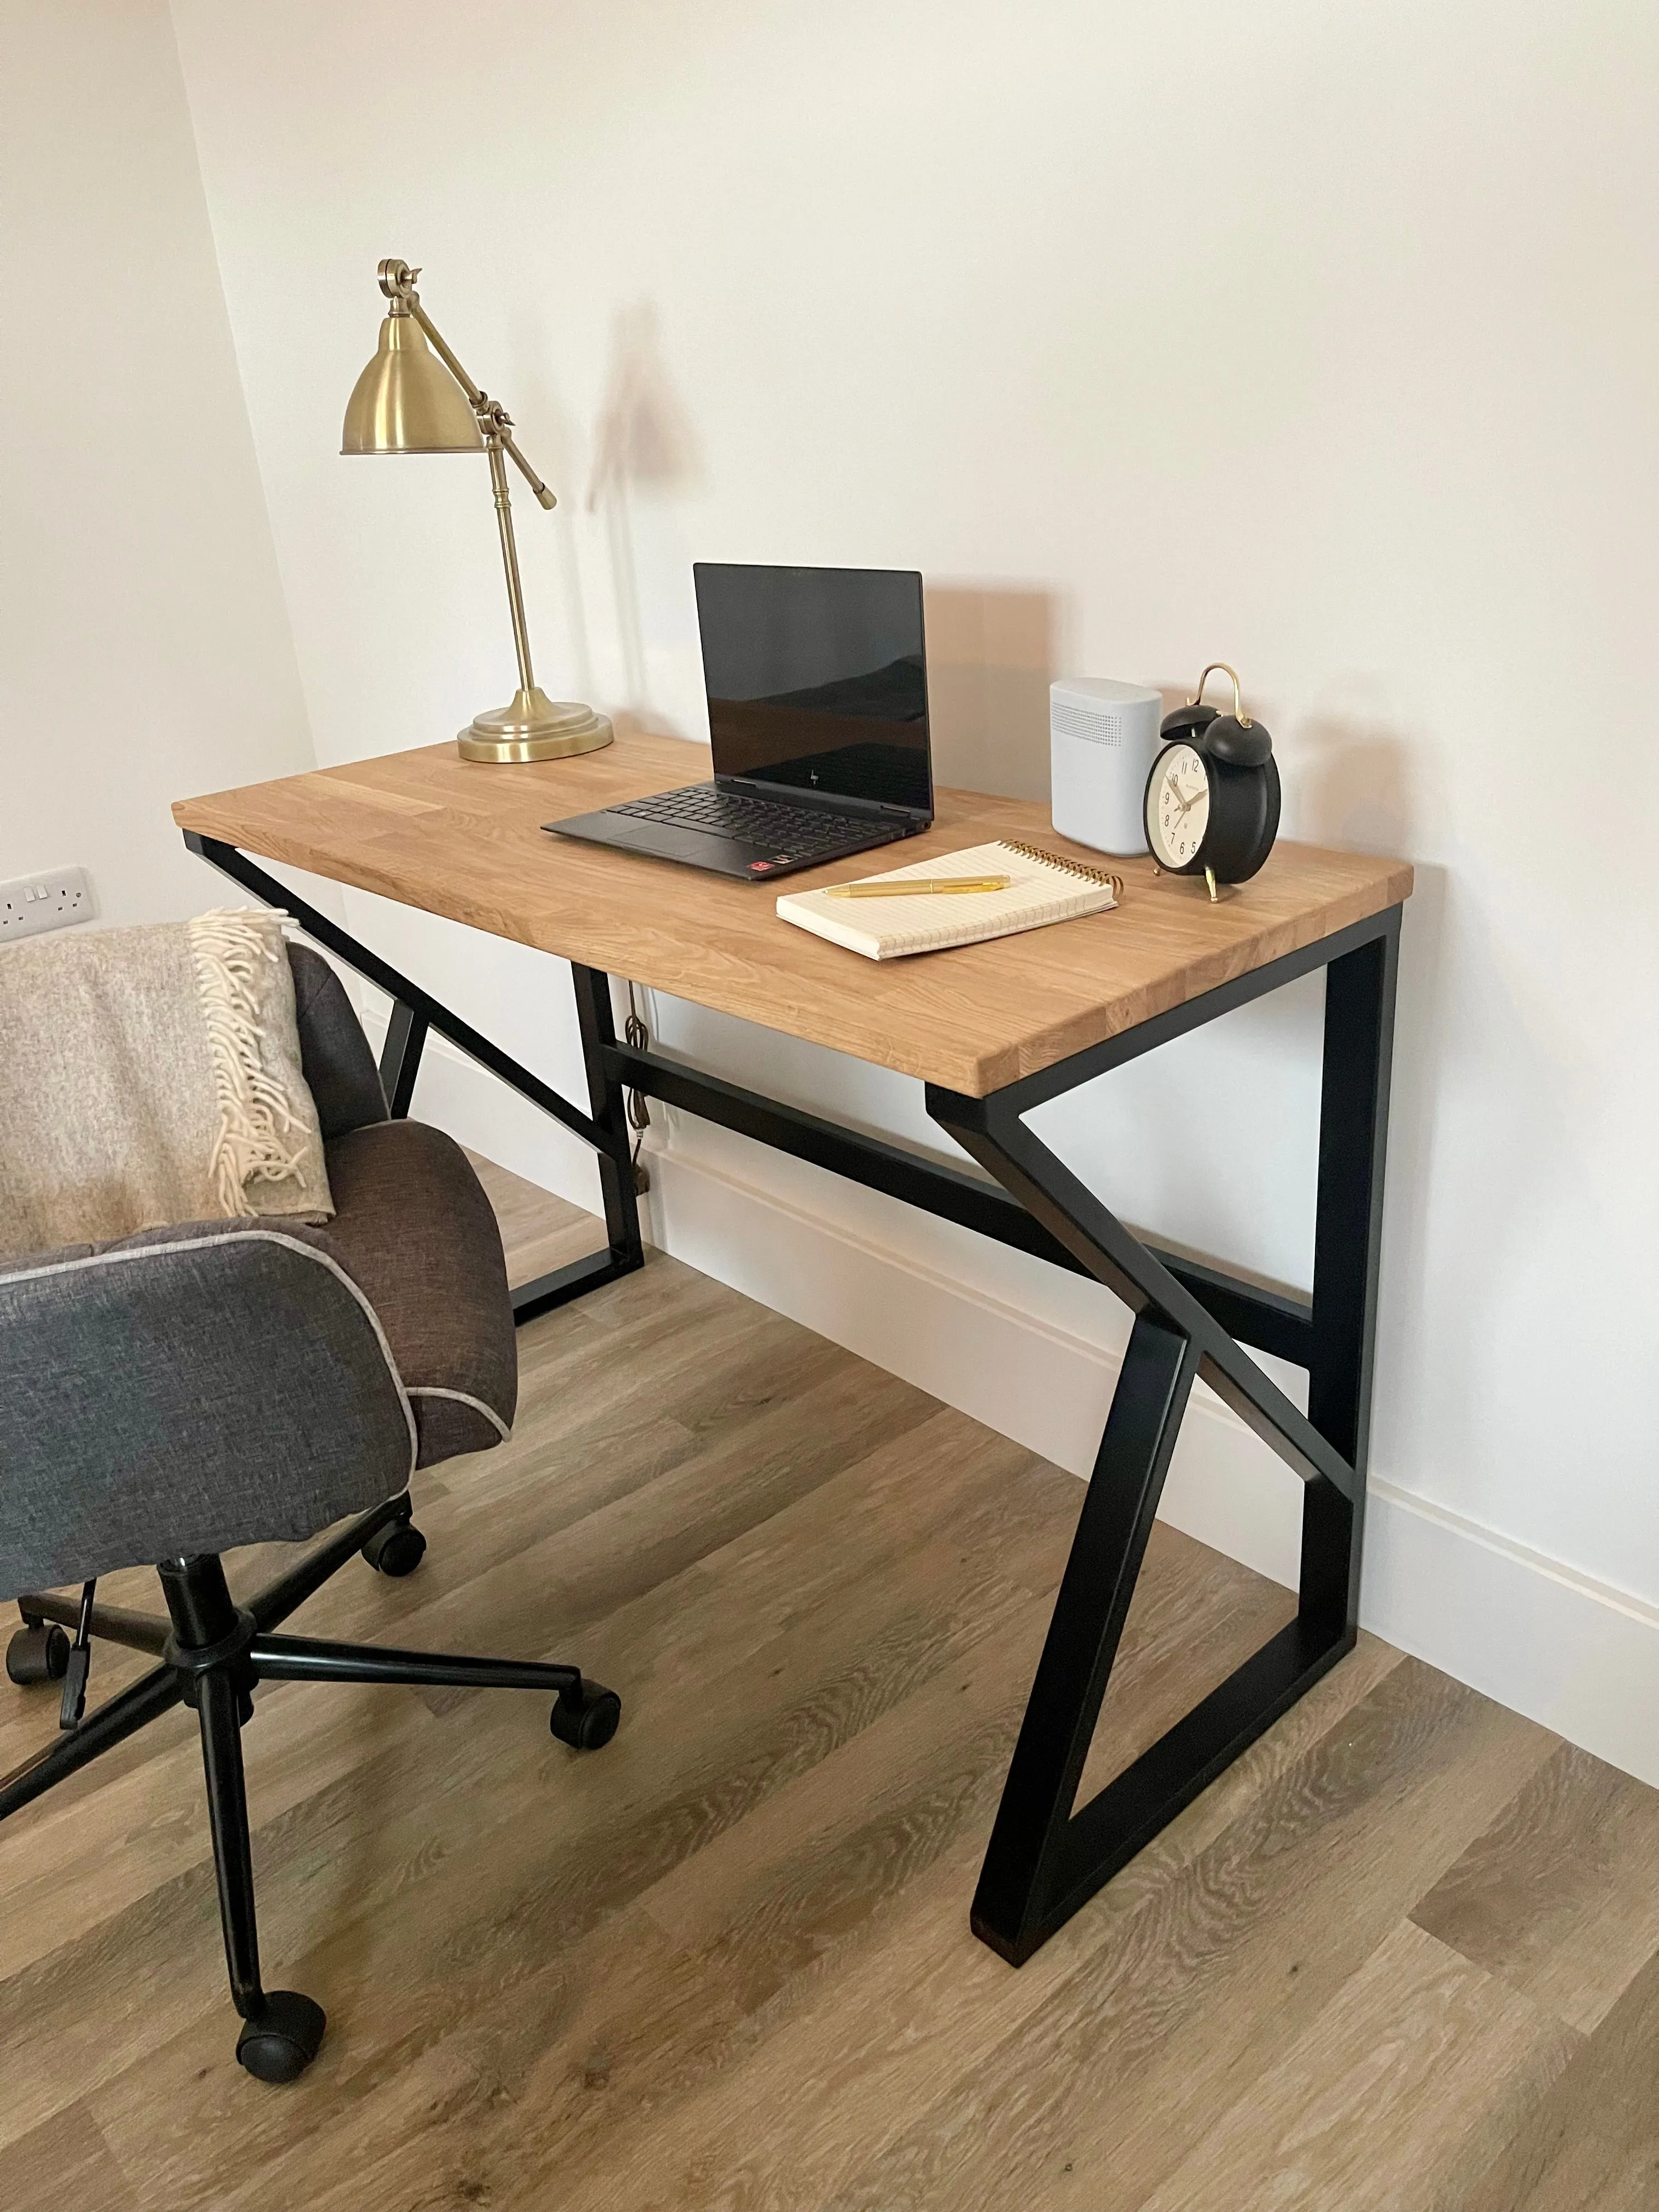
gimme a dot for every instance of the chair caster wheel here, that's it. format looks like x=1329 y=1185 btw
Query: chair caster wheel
x=396 y=1550
x=589 y=1720
x=281 y=2042
x=38 y=1655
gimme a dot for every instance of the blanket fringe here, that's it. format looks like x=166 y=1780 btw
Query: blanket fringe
x=226 y=947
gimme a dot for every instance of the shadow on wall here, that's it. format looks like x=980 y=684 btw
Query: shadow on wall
x=1350 y=780
x=1347 y=779
x=990 y=660
x=1352 y=786
x=642 y=441
x=553 y=439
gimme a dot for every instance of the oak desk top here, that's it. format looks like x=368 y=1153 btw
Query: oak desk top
x=464 y=839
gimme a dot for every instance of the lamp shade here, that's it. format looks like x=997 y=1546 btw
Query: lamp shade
x=407 y=401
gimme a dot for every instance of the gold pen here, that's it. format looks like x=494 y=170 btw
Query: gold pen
x=919 y=887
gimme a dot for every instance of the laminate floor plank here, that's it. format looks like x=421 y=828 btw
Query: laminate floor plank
x=457 y=1904
x=1594 y=2141
x=65 y=2161
x=649 y=2014
x=540 y=1231
x=1218 y=1976
x=775 y=2129
x=1401 y=1954
x=817 y=1871
x=759 y=1916
x=1561 y=1895
x=83 y=1871
x=28 y=1722
x=503 y=1798
x=1379 y=2087
x=75 y=1873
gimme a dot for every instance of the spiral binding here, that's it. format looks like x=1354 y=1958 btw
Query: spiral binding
x=1068 y=867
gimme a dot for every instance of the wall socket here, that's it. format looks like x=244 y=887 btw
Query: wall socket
x=52 y=900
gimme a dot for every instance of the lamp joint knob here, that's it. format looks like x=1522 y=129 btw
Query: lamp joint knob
x=397 y=281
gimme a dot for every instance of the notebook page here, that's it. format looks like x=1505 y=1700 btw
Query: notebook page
x=892 y=928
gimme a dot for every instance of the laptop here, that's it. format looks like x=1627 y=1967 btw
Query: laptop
x=817 y=716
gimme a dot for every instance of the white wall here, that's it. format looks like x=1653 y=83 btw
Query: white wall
x=1319 y=339
x=144 y=648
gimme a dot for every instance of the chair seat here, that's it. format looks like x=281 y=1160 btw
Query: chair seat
x=414 y=1228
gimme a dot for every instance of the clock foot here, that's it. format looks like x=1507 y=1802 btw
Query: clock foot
x=1209 y=878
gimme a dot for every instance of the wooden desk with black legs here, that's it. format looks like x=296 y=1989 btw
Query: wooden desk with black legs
x=993 y=1030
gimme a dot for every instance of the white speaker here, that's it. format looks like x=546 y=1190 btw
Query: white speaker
x=1103 y=738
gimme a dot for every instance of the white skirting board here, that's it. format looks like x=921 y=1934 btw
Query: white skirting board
x=1034 y=1355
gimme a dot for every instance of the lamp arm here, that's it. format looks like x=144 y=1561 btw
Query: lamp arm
x=529 y=474
x=490 y=411
x=411 y=300
x=398 y=282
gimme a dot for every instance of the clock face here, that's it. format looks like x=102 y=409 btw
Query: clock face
x=1177 y=805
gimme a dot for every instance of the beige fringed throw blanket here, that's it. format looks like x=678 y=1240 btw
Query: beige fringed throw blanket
x=149 y=1076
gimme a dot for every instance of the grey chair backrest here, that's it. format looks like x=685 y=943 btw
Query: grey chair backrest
x=334 y=1053
x=203 y=1385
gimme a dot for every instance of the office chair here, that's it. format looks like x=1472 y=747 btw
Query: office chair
x=224 y=1382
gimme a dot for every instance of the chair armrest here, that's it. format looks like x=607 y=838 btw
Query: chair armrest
x=334 y=1054
x=185 y=1390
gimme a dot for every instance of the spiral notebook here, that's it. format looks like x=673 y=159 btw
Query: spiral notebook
x=1045 y=887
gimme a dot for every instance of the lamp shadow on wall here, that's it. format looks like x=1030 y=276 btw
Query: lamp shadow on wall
x=552 y=437
x=990 y=660
x=643 y=441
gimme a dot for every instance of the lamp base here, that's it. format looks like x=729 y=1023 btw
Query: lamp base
x=532 y=728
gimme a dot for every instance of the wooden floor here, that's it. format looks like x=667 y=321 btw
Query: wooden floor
x=1404 y=1954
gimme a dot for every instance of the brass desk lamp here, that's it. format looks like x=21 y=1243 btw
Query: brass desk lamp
x=405 y=403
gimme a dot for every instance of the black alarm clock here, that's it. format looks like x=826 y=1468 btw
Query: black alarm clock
x=1212 y=802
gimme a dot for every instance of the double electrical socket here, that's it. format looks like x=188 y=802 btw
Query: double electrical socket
x=52 y=900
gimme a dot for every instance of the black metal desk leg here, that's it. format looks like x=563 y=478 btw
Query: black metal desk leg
x=622 y=1209
x=400 y=1058
x=1353 y=1131
x=1017 y=1904
x=609 y=1115
x=1046 y=1859
x=625 y=1247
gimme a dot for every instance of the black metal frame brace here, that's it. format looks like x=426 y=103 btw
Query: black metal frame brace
x=1046 y=1858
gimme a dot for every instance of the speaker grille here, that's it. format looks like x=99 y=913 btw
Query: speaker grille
x=1100 y=727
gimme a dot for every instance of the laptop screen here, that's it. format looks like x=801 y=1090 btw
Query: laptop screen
x=817 y=680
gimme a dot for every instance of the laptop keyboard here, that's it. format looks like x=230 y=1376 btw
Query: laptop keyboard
x=795 y=832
